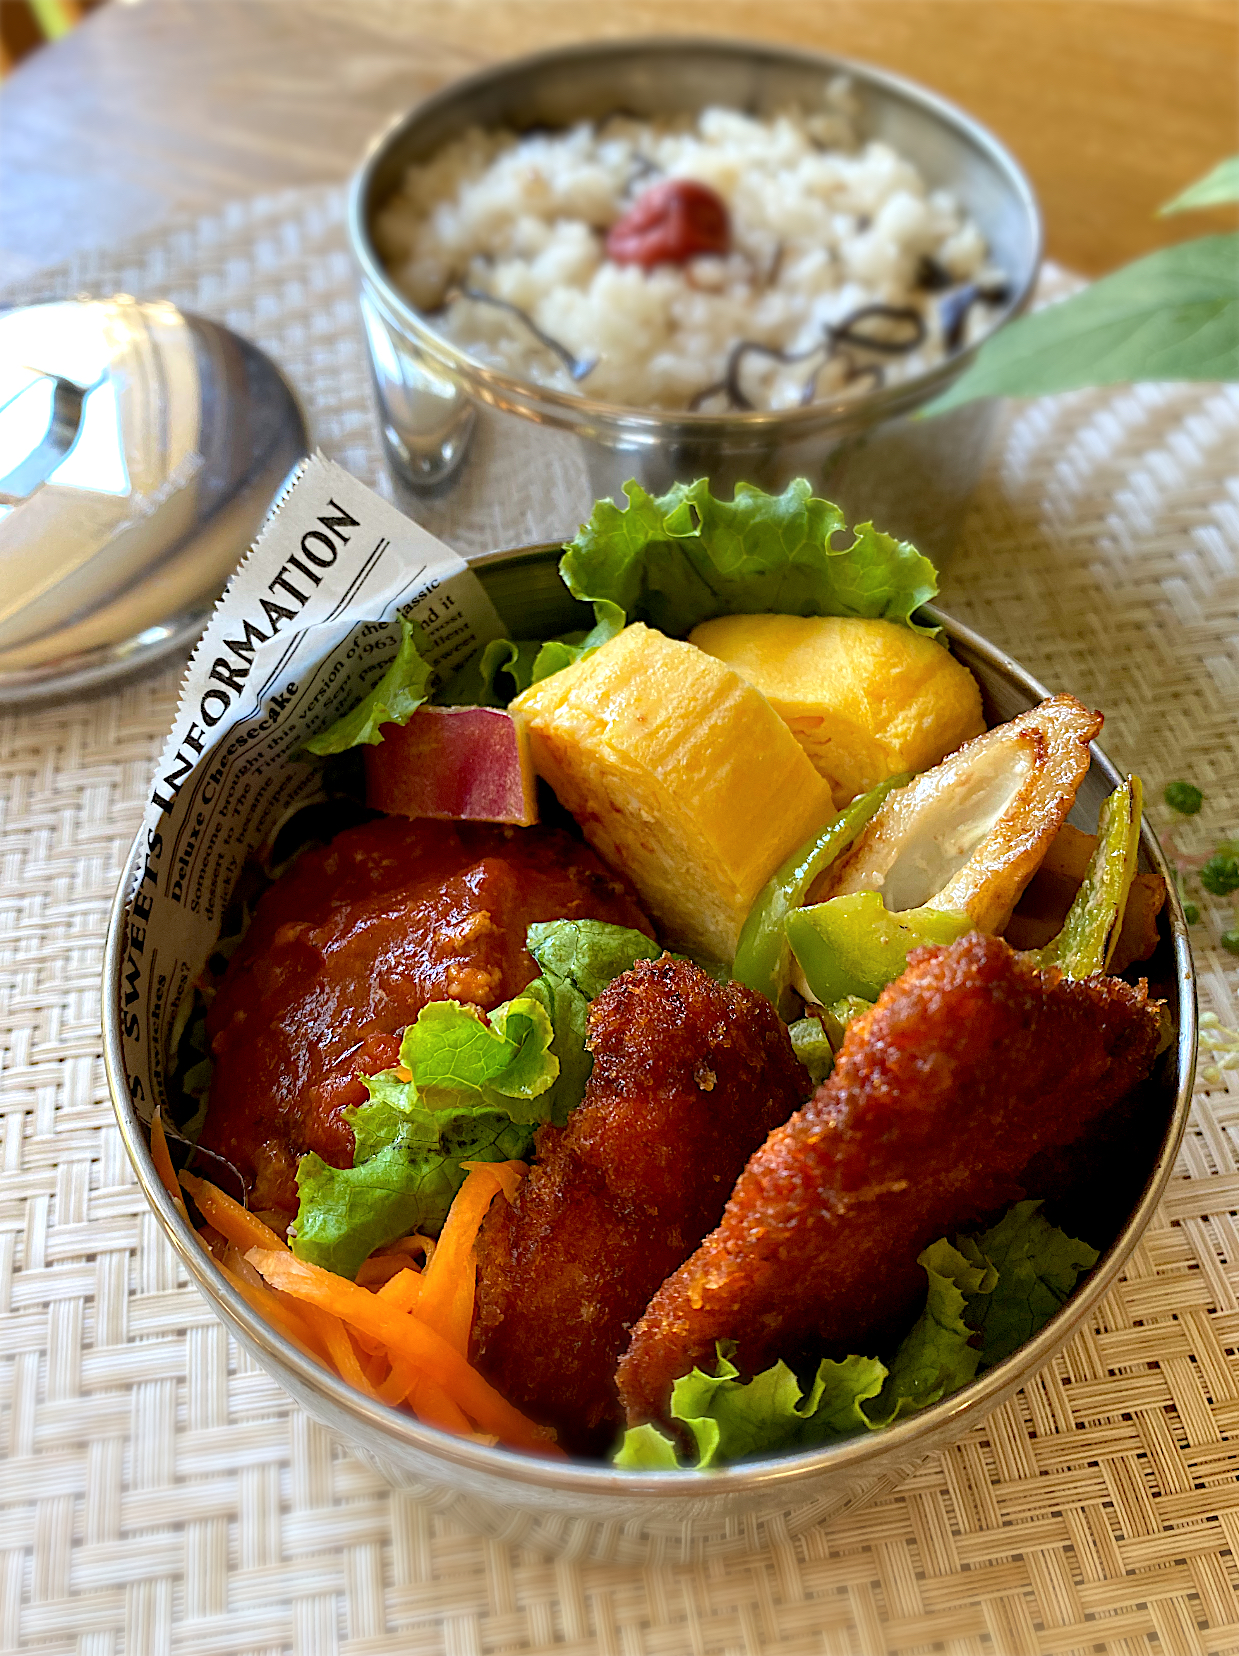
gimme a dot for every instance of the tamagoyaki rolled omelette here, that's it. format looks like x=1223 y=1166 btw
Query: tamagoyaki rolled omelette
x=681 y=776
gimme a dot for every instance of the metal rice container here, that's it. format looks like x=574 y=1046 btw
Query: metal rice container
x=868 y=451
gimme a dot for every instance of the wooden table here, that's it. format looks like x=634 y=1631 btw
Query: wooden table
x=1112 y=105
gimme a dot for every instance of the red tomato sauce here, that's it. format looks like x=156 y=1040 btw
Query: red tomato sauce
x=345 y=950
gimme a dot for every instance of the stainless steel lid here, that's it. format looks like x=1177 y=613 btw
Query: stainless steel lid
x=140 y=449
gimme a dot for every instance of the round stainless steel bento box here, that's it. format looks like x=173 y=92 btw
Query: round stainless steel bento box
x=592 y=1506
x=865 y=452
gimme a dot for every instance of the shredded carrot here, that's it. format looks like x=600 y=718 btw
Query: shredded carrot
x=405 y=1337
x=380 y=1269
x=281 y=1313
x=340 y=1350
x=163 y=1162
x=433 y=1407
x=366 y=1347
x=509 y=1174
x=402 y=1292
x=398 y=1384
x=237 y=1263
x=449 y=1280
x=384 y=1262
x=228 y=1217
x=458 y=1319
x=372 y=1339
x=272 y=1217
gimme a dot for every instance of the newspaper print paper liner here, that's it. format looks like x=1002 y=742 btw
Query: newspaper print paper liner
x=306 y=626
x=159 y=1493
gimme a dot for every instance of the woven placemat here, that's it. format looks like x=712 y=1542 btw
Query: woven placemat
x=159 y=1494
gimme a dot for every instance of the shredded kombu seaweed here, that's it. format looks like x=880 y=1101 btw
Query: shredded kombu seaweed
x=910 y=332
x=643 y=169
x=578 y=367
x=954 y=308
x=836 y=337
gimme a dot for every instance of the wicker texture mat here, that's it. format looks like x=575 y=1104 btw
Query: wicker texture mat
x=159 y=1494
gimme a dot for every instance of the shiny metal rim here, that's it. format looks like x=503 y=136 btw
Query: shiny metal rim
x=786 y=1472
x=74 y=675
x=506 y=392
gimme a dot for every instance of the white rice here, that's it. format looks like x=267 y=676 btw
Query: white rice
x=819 y=229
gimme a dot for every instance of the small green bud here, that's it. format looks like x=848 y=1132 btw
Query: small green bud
x=1184 y=797
x=1191 y=914
x=1230 y=940
x=1220 y=875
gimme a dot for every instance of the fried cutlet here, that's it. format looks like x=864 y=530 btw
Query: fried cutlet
x=689 y=1077
x=971 y=1064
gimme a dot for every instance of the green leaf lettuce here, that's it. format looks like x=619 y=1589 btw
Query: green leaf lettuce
x=404 y=1183
x=588 y=954
x=403 y=688
x=579 y=958
x=938 y=1354
x=478 y=1090
x=1037 y=1266
x=680 y=558
x=455 y=1056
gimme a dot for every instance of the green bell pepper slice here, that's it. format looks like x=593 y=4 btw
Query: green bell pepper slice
x=1091 y=930
x=839 y=1014
x=853 y=946
x=817 y=1037
x=763 y=960
x=812 y=1045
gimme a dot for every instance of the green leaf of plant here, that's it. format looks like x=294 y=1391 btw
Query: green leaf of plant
x=835 y=1406
x=478 y=1090
x=683 y=557
x=1173 y=315
x=455 y=1056
x=939 y=1354
x=579 y=958
x=1038 y=1266
x=399 y=693
x=1222 y=184
x=645 y=1449
x=986 y=1296
x=406 y=1171
x=676 y=559
x=568 y=1011
x=729 y=1418
x=495 y=674
x=491 y=676
x=589 y=954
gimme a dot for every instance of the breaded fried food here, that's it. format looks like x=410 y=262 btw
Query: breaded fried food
x=972 y=1063
x=689 y=1077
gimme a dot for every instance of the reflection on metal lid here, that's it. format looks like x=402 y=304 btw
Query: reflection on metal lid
x=139 y=450
x=27 y=409
x=39 y=422
x=97 y=459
